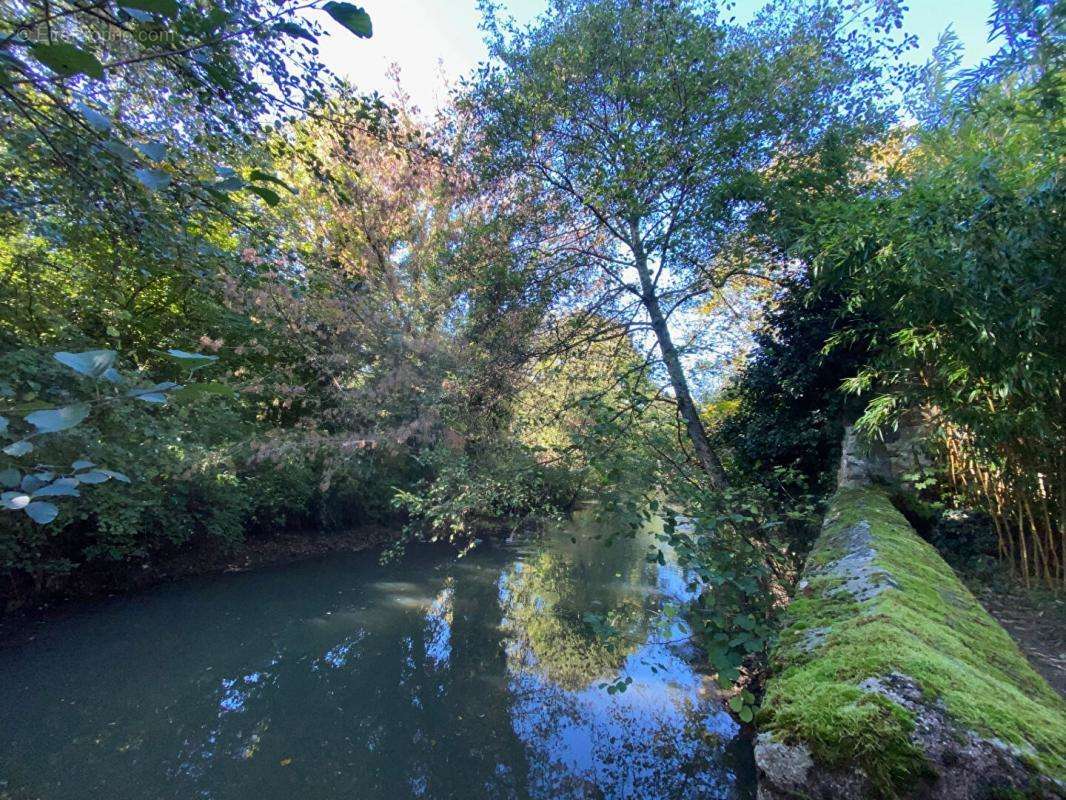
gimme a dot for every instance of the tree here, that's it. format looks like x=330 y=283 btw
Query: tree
x=131 y=139
x=950 y=272
x=656 y=128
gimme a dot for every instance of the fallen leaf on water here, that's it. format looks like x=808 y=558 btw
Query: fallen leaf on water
x=286 y=761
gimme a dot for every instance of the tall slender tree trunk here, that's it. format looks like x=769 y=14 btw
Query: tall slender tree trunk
x=697 y=434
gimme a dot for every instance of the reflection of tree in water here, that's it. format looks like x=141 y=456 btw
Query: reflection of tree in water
x=659 y=739
x=446 y=679
x=547 y=600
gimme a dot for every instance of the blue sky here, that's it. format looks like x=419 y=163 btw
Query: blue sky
x=436 y=40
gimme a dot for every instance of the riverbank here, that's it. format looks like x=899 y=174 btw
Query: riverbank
x=115 y=579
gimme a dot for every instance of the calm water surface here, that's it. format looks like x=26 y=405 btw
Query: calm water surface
x=434 y=677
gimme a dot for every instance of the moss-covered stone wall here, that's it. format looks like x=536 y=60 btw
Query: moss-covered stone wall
x=891 y=680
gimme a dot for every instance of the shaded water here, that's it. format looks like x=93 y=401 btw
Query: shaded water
x=434 y=677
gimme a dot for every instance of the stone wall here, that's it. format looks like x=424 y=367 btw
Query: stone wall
x=891 y=680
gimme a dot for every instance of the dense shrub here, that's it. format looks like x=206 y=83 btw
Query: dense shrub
x=787 y=409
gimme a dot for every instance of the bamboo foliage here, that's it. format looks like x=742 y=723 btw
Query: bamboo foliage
x=951 y=275
x=1020 y=486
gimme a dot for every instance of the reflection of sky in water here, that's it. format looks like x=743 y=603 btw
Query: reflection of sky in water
x=426 y=679
x=645 y=742
x=339 y=655
x=439 y=626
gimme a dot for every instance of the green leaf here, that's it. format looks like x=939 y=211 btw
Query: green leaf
x=81 y=463
x=96 y=120
x=745 y=621
x=736 y=703
x=3 y=424
x=746 y=714
x=96 y=476
x=120 y=150
x=269 y=195
x=31 y=483
x=41 y=513
x=165 y=8
x=58 y=419
x=351 y=17
x=10 y=477
x=230 y=184
x=199 y=360
x=118 y=476
x=65 y=59
x=259 y=175
x=140 y=16
x=292 y=29
x=152 y=179
x=17 y=449
x=183 y=355
x=153 y=151
x=13 y=501
x=93 y=363
x=58 y=489
x=153 y=394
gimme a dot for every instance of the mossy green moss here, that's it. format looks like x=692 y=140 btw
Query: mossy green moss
x=928 y=627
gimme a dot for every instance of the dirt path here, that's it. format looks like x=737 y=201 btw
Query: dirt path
x=1038 y=625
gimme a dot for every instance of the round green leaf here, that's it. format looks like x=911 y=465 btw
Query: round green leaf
x=14 y=500
x=93 y=363
x=58 y=489
x=152 y=179
x=351 y=17
x=270 y=197
x=96 y=476
x=58 y=419
x=41 y=513
x=31 y=483
x=17 y=449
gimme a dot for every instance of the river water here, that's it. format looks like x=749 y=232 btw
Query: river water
x=432 y=677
